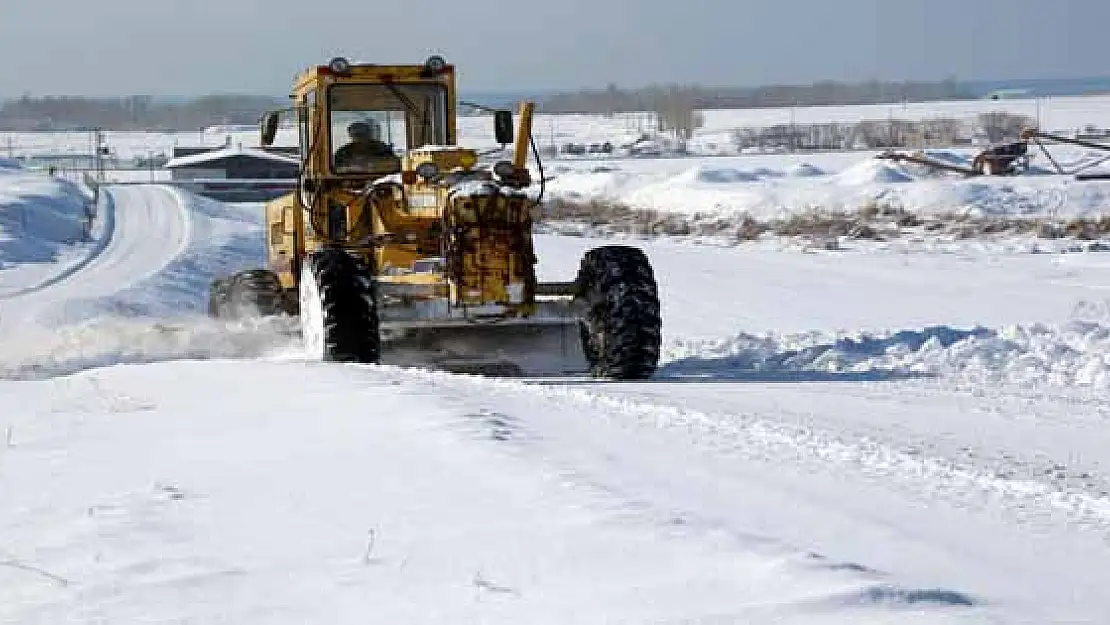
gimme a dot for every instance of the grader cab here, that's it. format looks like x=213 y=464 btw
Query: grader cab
x=400 y=247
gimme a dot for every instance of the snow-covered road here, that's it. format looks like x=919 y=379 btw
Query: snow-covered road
x=129 y=245
x=940 y=486
x=947 y=468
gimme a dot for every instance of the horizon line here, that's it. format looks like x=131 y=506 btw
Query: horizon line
x=981 y=82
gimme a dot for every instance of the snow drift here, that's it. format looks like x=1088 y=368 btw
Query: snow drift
x=768 y=187
x=1076 y=354
x=40 y=216
x=111 y=341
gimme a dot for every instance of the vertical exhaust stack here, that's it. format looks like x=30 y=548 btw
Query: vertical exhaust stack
x=523 y=136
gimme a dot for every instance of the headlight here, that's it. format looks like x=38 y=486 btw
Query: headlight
x=340 y=66
x=435 y=64
x=427 y=170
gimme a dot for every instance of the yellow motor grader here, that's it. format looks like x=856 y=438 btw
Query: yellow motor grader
x=400 y=247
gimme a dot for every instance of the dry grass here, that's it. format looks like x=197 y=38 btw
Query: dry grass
x=873 y=221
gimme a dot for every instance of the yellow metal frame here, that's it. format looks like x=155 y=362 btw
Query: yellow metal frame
x=497 y=266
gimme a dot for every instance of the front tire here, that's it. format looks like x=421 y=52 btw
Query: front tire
x=338 y=309
x=622 y=329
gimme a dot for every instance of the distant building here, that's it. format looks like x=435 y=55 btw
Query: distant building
x=231 y=163
x=235 y=173
x=1009 y=94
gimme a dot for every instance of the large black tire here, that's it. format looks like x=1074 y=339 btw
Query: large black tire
x=622 y=329
x=246 y=294
x=338 y=309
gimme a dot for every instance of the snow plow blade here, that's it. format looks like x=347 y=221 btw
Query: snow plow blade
x=525 y=347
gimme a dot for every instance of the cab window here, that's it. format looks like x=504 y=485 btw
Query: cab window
x=371 y=126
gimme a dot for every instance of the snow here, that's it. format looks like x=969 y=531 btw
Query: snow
x=1063 y=112
x=175 y=512
x=716 y=180
x=772 y=186
x=228 y=152
x=875 y=434
x=868 y=172
x=1066 y=114
x=42 y=225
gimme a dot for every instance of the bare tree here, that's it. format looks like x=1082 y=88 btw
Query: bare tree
x=1000 y=126
x=676 y=112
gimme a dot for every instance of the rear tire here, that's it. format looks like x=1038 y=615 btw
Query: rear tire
x=254 y=293
x=338 y=309
x=217 y=299
x=622 y=329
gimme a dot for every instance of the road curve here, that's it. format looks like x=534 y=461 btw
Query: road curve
x=145 y=229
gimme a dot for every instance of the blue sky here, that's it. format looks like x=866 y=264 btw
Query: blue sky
x=110 y=47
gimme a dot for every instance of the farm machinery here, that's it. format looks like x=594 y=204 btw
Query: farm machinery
x=398 y=246
x=1012 y=157
x=1002 y=159
x=1036 y=136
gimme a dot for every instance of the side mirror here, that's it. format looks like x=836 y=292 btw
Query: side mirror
x=503 y=126
x=269 y=127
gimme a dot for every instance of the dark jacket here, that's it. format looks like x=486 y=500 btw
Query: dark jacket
x=352 y=152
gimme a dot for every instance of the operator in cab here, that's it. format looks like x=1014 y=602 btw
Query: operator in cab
x=365 y=147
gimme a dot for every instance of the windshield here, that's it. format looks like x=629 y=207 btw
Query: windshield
x=372 y=125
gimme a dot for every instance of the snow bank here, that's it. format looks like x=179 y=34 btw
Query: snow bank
x=40 y=216
x=766 y=187
x=726 y=175
x=804 y=170
x=873 y=171
x=111 y=341
x=1073 y=354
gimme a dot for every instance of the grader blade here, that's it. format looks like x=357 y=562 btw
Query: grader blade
x=505 y=348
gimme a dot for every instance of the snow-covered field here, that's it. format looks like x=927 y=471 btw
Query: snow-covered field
x=716 y=182
x=775 y=185
x=858 y=436
x=1064 y=113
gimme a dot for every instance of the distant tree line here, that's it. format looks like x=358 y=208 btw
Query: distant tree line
x=131 y=113
x=615 y=100
x=675 y=106
x=869 y=134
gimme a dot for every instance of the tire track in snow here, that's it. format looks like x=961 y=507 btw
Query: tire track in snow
x=749 y=478
x=149 y=235
x=746 y=436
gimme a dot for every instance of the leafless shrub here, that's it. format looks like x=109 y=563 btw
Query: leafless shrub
x=869 y=210
x=749 y=229
x=1082 y=229
x=1002 y=126
x=864 y=230
x=593 y=210
x=908 y=220
x=871 y=221
x=1049 y=230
